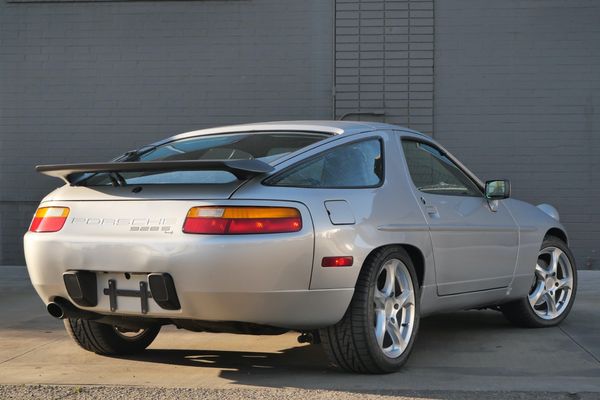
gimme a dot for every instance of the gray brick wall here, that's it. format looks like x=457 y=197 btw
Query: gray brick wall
x=384 y=60
x=516 y=85
x=517 y=95
x=87 y=80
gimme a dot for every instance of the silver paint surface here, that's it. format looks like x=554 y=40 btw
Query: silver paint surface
x=473 y=256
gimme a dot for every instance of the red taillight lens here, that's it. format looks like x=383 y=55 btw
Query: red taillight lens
x=49 y=219
x=242 y=220
x=337 y=261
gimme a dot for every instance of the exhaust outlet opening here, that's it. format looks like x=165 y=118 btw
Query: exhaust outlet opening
x=55 y=310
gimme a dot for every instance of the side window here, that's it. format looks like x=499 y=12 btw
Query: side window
x=433 y=172
x=353 y=165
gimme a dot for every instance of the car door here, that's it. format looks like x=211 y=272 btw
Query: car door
x=474 y=241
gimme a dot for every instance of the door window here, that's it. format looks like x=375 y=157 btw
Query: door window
x=433 y=172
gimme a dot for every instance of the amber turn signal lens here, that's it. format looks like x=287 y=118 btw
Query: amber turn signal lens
x=49 y=219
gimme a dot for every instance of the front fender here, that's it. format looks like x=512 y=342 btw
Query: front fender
x=533 y=223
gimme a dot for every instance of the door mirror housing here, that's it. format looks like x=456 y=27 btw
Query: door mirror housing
x=497 y=190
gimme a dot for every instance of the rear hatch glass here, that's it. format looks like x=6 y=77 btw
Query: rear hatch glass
x=263 y=146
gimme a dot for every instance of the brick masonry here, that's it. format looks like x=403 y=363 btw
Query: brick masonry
x=516 y=89
x=83 y=81
x=517 y=95
x=384 y=61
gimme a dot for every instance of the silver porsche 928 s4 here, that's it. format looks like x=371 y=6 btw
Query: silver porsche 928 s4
x=347 y=232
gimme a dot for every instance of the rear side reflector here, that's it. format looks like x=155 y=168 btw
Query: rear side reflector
x=242 y=220
x=49 y=219
x=337 y=262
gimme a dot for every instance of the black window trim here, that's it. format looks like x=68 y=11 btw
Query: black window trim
x=450 y=157
x=319 y=154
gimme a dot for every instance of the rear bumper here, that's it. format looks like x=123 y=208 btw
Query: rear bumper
x=294 y=309
x=261 y=279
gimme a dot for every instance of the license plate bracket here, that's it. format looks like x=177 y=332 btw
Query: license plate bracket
x=113 y=293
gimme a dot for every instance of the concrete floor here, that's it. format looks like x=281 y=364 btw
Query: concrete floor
x=463 y=351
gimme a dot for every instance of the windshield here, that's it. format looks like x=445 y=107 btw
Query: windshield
x=264 y=146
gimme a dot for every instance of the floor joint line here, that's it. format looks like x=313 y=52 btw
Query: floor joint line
x=579 y=345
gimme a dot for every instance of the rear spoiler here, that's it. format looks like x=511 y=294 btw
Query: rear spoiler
x=242 y=169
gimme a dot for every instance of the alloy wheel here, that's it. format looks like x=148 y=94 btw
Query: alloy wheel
x=553 y=284
x=394 y=304
x=129 y=334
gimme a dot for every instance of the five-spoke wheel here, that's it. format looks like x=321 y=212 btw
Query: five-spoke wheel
x=552 y=293
x=377 y=333
x=394 y=305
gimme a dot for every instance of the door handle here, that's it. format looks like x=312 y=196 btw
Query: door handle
x=432 y=211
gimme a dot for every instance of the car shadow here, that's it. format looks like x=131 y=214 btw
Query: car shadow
x=306 y=367
x=238 y=364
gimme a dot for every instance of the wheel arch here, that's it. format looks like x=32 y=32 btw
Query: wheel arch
x=559 y=233
x=415 y=254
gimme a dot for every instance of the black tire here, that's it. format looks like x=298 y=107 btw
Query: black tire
x=105 y=340
x=351 y=344
x=520 y=313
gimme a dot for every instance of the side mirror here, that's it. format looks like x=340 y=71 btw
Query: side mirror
x=497 y=190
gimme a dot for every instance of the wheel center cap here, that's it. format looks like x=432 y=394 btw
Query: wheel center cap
x=550 y=281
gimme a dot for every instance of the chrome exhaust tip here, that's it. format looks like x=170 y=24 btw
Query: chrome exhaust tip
x=56 y=310
x=61 y=308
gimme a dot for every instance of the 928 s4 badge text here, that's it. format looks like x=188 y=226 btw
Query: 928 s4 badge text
x=135 y=224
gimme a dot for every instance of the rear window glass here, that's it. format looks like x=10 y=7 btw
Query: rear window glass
x=267 y=147
x=352 y=165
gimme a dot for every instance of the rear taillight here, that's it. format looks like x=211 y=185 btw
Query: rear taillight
x=49 y=219
x=242 y=220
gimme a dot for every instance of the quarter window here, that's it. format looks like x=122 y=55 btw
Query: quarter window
x=433 y=172
x=353 y=165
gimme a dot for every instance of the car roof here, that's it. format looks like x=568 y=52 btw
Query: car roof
x=329 y=127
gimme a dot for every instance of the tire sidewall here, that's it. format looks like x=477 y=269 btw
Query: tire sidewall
x=385 y=363
x=103 y=339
